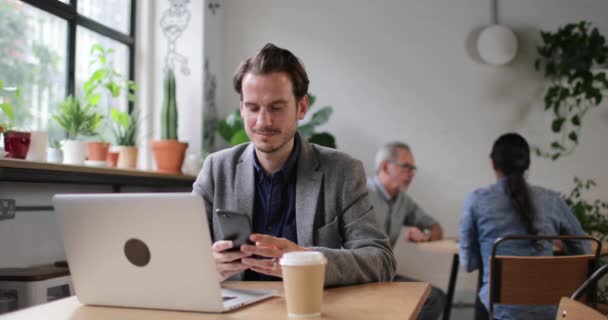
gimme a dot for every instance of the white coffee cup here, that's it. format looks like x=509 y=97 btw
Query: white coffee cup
x=303 y=280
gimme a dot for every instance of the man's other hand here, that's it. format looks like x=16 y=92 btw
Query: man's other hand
x=416 y=235
x=271 y=248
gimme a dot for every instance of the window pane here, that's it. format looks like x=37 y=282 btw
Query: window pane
x=33 y=51
x=87 y=63
x=115 y=14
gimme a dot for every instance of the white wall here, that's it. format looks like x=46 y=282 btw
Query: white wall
x=152 y=48
x=404 y=70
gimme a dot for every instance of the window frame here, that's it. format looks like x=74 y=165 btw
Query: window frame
x=69 y=12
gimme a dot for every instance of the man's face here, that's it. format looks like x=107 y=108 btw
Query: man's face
x=402 y=170
x=270 y=111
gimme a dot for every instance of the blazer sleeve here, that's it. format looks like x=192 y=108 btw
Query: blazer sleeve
x=204 y=187
x=366 y=254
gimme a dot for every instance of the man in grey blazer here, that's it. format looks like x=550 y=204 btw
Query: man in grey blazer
x=300 y=196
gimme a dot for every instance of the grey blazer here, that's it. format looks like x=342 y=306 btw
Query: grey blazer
x=333 y=212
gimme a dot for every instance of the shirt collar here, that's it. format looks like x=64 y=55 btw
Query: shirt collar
x=288 y=168
x=502 y=183
x=380 y=187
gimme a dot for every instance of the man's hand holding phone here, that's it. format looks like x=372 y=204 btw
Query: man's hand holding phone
x=228 y=262
x=240 y=250
x=235 y=228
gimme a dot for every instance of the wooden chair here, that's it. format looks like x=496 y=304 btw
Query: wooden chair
x=538 y=280
x=570 y=309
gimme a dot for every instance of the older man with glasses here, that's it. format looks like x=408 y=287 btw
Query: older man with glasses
x=395 y=170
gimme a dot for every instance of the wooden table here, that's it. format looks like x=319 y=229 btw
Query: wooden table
x=386 y=300
x=448 y=246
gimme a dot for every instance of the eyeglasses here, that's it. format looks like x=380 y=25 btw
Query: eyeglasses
x=406 y=166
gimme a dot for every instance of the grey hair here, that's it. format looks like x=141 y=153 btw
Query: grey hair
x=388 y=152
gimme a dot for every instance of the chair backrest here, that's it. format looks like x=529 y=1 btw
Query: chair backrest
x=538 y=280
x=573 y=310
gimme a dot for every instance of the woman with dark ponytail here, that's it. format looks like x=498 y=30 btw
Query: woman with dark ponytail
x=512 y=207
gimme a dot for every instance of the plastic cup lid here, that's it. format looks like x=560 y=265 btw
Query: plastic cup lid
x=302 y=258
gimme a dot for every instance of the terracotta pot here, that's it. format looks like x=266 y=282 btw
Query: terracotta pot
x=169 y=155
x=17 y=144
x=127 y=157
x=97 y=151
x=112 y=159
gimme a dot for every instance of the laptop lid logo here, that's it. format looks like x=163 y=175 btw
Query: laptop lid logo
x=137 y=252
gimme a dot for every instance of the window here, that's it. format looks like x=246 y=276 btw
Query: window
x=45 y=50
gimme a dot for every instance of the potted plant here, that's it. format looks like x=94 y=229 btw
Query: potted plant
x=232 y=129
x=125 y=129
x=169 y=152
x=16 y=143
x=106 y=81
x=54 y=154
x=78 y=122
x=571 y=59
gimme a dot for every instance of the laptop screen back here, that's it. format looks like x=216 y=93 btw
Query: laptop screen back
x=139 y=250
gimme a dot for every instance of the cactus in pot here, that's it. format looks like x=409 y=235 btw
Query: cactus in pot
x=169 y=152
x=169 y=109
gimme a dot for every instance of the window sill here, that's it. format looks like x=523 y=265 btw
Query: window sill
x=43 y=172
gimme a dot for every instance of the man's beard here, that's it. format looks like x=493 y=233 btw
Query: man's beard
x=272 y=148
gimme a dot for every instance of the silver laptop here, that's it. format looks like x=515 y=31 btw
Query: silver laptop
x=144 y=251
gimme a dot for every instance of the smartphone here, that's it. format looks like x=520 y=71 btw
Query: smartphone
x=234 y=226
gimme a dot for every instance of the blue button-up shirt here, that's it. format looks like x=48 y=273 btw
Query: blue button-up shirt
x=274 y=210
x=489 y=214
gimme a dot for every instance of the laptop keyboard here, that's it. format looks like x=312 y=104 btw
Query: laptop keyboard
x=228 y=298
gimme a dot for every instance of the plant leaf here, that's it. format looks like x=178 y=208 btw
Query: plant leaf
x=7 y=109
x=239 y=137
x=325 y=139
x=556 y=145
x=311 y=100
x=96 y=47
x=557 y=124
x=94 y=100
x=306 y=130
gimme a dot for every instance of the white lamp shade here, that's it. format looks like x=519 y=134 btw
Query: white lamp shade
x=497 y=45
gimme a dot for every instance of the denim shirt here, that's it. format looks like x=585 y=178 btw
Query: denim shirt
x=488 y=214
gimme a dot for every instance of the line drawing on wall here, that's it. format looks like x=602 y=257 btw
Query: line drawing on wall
x=174 y=22
x=210 y=117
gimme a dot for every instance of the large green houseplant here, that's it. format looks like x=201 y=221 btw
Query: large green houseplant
x=106 y=85
x=571 y=60
x=232 y=128
x=169 y=152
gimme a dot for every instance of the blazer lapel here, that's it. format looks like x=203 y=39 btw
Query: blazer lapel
x=307 y=193
x=245 y=182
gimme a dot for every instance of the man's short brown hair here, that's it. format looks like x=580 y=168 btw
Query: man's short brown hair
x=274 y=59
